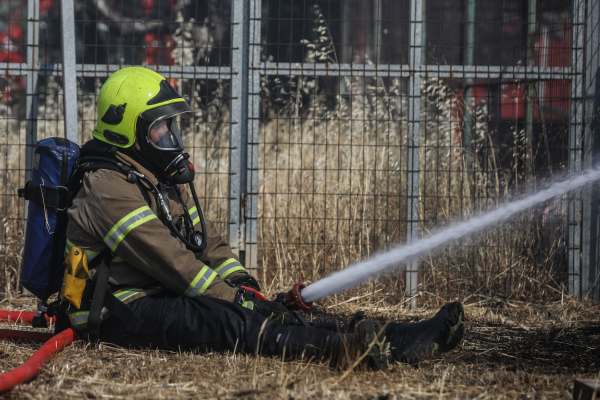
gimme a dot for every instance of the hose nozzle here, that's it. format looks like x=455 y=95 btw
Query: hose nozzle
x=294 y=298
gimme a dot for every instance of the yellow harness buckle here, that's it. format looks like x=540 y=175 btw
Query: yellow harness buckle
x=76 y=275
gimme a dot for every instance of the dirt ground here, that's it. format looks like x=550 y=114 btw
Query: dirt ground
x=511 y=350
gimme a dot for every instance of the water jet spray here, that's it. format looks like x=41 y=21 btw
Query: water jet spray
x=381 y=263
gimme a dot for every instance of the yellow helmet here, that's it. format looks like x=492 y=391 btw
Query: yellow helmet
x=131 y=93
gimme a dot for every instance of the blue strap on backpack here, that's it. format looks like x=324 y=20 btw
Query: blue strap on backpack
x=45 y=237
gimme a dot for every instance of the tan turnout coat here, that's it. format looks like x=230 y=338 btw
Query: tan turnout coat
x=110 y=212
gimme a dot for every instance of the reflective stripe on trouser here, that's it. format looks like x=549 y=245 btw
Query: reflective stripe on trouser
x=79 y=319
x=119 y=262
x=126 y=225
x=90 y=255
x=201 y=282
x=228 y=267
x=194 y=215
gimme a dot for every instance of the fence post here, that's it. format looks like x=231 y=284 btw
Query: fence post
x=33 y=17
x=590 y=271
x=31 y=101
x=239 y=115
x=69 y=77
x=575 y=149
x=530 y=87
x=468 y=85
x=414 y=111
x=243 y=153
x=251 y=195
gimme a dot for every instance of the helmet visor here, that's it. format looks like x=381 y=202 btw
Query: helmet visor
x=164 y=135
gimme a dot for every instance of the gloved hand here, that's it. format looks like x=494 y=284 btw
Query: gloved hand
x=275 y=312
x=245 y=280
x=293 y=300
x=271 y=309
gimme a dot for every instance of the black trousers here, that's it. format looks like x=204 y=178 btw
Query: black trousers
x=174 y=322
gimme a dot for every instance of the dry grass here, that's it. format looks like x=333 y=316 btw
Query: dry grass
x=333 y=184
x=511 y=350
x=333 y=190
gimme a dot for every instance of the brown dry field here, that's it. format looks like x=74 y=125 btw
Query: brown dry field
x=511 y=350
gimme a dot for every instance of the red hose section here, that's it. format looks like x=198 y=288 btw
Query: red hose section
x=26 y=335
x=21 y=316
x=31 y=367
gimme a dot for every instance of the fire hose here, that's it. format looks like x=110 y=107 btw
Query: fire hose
x=29 y=369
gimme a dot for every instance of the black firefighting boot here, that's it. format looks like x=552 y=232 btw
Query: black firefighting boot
x=436 y=335
x=368 y=342
x=341 y=349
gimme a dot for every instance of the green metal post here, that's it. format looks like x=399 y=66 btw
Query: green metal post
x=377 y=34
x=529 y=97
x=468 y=60
x=424 y=34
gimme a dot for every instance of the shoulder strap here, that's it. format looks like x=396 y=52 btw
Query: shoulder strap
x=90 y=164
x=58 y=241
x=103 y=271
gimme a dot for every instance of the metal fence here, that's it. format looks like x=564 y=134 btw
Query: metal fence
x=333 y=129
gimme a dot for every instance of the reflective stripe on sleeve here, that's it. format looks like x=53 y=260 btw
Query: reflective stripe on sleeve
x=228 y=267
x=201 y=282
x=194 y=215
x=126 y=225
x=248 y=304
x=90 y=255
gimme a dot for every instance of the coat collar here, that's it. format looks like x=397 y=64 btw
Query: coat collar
x=139 y=167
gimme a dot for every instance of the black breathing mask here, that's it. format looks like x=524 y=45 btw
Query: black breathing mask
x=161 y=146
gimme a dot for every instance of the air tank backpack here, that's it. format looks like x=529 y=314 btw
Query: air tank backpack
x=53 y=163
x=57 y=171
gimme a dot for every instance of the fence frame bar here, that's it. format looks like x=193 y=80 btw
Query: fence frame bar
x=590 y=271
x=469 y=53
x=361 y=70
x=69 y=77
x=530 y=88
x=406 y=70
x=414 y=133
x=31 y=91
x=238 y=127
x=250 y=207
x=575 y=149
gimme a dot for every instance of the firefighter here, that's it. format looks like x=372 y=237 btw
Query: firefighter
x=163 y=277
